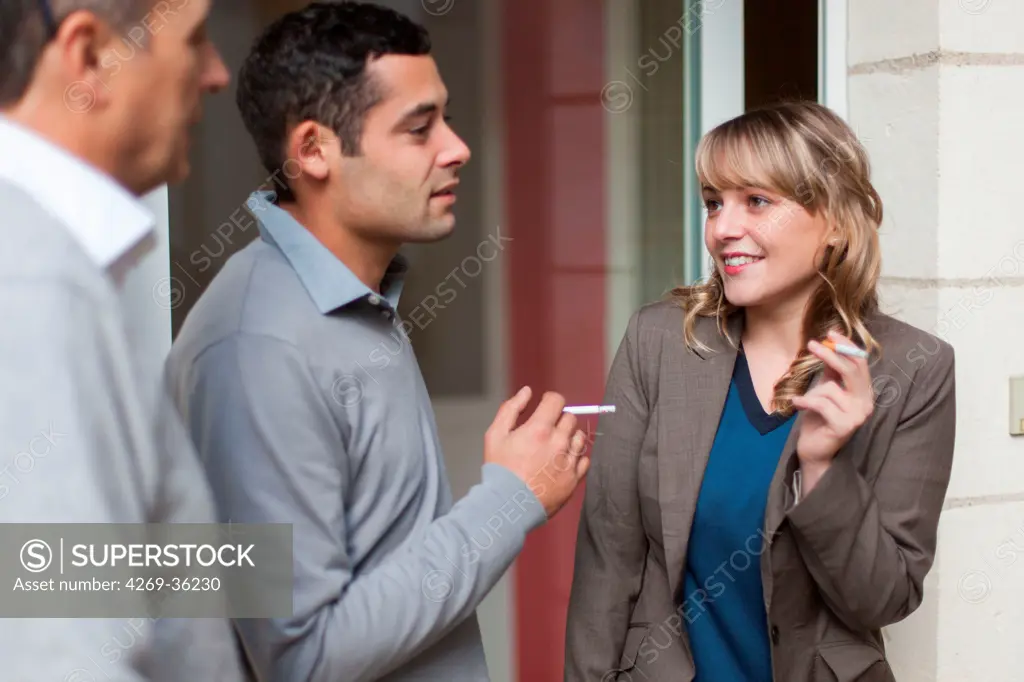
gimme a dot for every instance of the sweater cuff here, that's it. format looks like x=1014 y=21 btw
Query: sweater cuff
x=519 y=498
x=832 y=508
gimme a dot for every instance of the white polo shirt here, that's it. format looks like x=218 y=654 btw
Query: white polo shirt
x=114 y=227
x=85 y=435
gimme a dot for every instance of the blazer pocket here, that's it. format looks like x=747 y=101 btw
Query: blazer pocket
x=635 y=636
x=852 y=662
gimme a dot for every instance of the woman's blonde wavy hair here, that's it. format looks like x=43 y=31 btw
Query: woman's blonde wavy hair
x=803 y=151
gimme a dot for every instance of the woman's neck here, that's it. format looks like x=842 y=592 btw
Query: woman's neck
x=772 y=338
x=778 y=329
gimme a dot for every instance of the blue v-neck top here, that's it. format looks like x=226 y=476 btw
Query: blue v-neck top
x=723 y=600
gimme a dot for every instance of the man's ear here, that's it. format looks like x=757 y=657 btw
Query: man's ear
x=311 y=150
x=81 y=52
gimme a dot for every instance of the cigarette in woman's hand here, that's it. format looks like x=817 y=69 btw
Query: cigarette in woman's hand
x=844 y=349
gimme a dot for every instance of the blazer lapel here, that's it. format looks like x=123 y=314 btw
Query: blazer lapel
x=780 y=494
x=691 y=404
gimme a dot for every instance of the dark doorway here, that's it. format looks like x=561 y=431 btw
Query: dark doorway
x=780 y=50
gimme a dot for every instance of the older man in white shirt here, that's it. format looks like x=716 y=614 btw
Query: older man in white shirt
x=96 y=98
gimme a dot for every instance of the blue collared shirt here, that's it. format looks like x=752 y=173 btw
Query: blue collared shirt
x=306 y=403
x=328 y=282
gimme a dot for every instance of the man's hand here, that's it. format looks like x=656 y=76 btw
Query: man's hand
x=544 y=452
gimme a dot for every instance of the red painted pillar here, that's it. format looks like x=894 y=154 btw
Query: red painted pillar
x=553 y=73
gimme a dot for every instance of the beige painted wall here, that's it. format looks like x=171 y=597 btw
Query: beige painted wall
x=936 y=92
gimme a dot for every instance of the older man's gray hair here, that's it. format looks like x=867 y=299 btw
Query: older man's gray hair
x=26 y=26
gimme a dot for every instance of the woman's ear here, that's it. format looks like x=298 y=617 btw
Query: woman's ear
x=830 y=247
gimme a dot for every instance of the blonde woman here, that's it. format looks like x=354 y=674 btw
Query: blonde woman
x=753 y=512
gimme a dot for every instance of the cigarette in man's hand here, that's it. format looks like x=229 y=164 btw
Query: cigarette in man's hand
x=844 y=349
x=588 y=409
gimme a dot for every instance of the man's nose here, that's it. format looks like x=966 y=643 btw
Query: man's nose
x=456 y=152
x=216 y=76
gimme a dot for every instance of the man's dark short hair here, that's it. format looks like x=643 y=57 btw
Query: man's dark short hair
x=311 y=65
x=26 y=26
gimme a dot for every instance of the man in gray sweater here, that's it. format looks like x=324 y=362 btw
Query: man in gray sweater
x=87 y=432
x=296 y=377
